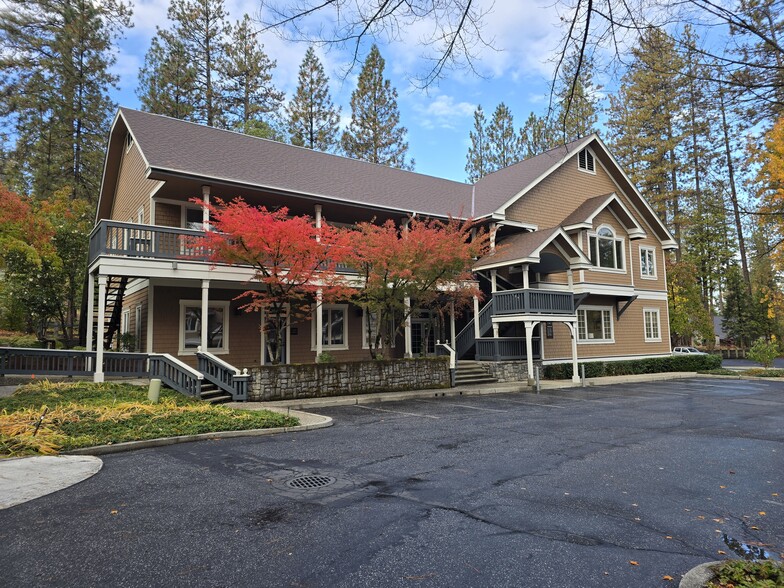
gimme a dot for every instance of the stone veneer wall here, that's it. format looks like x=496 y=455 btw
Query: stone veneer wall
x=509 y=371
x=317 y=380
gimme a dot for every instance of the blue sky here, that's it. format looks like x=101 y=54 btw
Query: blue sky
x=524 y=33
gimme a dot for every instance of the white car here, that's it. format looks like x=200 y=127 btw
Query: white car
x=687 y=351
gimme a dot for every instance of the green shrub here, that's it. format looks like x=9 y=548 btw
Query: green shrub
x=649 y=365
x=325 y=357
x=763 y=352
x=17 y=339
x=748 y=574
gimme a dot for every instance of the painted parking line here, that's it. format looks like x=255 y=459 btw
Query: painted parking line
x=462 y=405
x=413 y=414
x=526 y=403
x=560 y=397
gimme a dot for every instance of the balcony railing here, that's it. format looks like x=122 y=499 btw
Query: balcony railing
x=530 y=301
x=505 y=348
x=152 y=241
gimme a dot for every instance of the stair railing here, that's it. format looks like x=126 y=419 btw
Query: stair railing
x=224 y=375
x=442 y=349
x=175 y=374
x=466 y=338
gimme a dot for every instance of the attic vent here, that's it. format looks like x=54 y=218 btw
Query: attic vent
x=585 y=161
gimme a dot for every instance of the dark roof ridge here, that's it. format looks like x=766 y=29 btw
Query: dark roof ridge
x=564 y=146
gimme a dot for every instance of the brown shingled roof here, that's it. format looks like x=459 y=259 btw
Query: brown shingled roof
x=583 y=212
x=177 y=146
x=517 y=247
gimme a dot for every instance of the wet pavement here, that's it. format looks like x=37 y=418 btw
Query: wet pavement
x=613 y=486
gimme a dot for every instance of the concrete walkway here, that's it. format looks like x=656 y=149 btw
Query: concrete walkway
x=27 y=478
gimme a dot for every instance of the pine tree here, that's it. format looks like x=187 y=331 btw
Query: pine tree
x=201 y=27
x=375 y=134
x=503 y=142
x=248 y=92
x=537 y=135
x=478 y=164
x=578 y=105
x=312 y=117
x=644 y=121
x=54 y=91
x=167 y=81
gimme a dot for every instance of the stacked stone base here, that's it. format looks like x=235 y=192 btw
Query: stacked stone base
x=509 y=371
x=319 y=380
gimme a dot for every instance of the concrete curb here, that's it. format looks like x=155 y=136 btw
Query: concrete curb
x=698 y=577
x=26 y=478
x=319 y=422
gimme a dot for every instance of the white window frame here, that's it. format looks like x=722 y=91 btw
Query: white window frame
x=224 y=349
x=616 y=241
x=652 y=251
x=126 y=321
x=581 y=325
x=645 y=313
x=589 y=157
x=313 y=335
x=365 y=342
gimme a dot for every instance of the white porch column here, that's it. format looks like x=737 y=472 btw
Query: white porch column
x=526 y=283
x=493 y=281
x=99 y=343
x=205 y=310
x=90 y=311
x=452 y=331
x=529 y=349
x=573 y=331
x=476 y=317
x=407 y=332
x=205 y=211
x=319 y=324
x=150 y=310
x=317 y=208
x=493 y=230
x=570 y=279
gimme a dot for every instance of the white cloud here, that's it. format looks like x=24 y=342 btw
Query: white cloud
x=442 y=112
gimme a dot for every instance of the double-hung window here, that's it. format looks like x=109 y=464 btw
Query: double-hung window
x=334 y=327
x=647 y=262
x=652 y=325
x=370 y=321
x=606 y=249
x=594 y=325
x=191 y=323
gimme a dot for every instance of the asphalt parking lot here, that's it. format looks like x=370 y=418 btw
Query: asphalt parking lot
x=614 y=486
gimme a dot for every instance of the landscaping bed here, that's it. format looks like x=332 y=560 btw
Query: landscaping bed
x=649 y=365
x=748 y=574
x=84 y=414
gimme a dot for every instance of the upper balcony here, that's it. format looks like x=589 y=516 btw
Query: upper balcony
x=131 y=240
x=533 y=301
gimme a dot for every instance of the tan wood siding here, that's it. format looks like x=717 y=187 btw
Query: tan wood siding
x=130 y=303
x=167 y=214
x=133 y=189
x=629 y=333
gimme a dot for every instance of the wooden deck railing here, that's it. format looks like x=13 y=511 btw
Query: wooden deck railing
x=70 y=362
x=532 y=301
x=505 y=348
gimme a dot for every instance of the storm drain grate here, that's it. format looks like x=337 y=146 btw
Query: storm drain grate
x=310 y=482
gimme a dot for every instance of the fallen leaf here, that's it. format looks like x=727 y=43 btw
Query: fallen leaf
x=637 y=518
x=720 y=552
x=668 y=537
x=732 y=472
x=114 y=511
x=668 y=578
x=606 y=573
x=634 y=563
x=717 y=521
x=775 y=494
x=762 y=513
x=701 y=517
x=753 y=528
x=722 y=486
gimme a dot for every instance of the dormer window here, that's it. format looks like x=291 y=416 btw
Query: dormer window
x=606 y=249
x=585 y=161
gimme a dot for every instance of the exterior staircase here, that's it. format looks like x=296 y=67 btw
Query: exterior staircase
x=213 y=394
x=471 y=373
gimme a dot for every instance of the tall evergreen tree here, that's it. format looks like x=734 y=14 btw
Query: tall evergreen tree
x=375 y=134
x=54 y=91
x=644 y=121
x=167 y=81
x=503 y=142
x=201 y=27
x=478 y=164
x=312 y=118
x=248 y=92
x=578 y=104
x=537 y=135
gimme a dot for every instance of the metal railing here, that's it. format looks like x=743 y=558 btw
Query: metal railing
x=175 y=374
x=505 y=348
x=69 y=362
x=525 y=301
x=223 y=375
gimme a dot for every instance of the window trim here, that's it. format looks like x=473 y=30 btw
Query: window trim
x=657 y=312
x=616 y=241
x=608 y=310
x=137 y=327
x=588 y=153
x=325 y=347
x=224 y=304
x=652 y=251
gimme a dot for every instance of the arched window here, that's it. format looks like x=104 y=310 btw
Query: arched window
x=606 y=249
